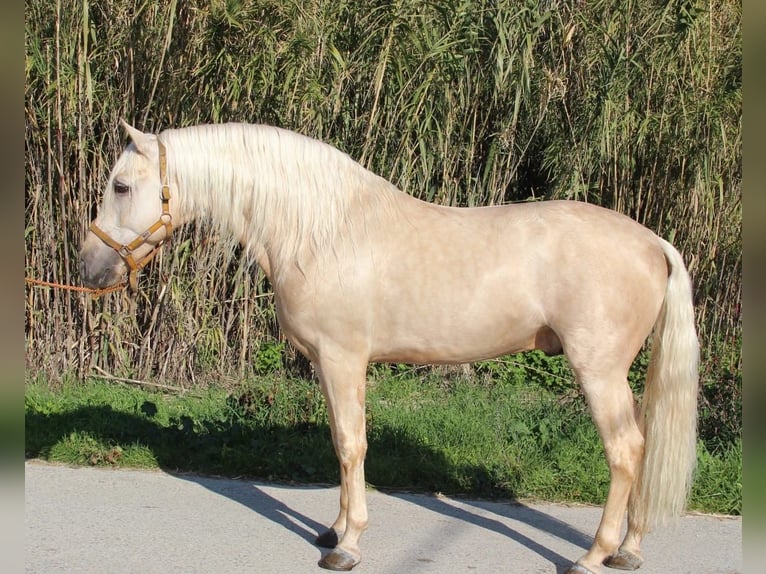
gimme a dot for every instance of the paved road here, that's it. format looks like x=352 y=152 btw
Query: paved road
x=86 y=520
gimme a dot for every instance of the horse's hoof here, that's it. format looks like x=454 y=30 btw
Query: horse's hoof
x=578 y=569
x=339 y=560
x=624 y=560
x=328 y=539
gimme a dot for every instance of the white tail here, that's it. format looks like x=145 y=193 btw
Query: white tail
x=669 y=408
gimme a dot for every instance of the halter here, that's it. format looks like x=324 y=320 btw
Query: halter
x=165 y=220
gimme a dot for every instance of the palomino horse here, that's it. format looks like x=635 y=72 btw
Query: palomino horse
x=364 y=272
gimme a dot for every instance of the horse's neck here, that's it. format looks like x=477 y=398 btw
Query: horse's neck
x=279 y=204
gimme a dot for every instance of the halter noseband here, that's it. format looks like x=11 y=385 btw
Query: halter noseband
x=165 y=220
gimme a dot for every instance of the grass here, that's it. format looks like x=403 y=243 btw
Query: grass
x=455 y=435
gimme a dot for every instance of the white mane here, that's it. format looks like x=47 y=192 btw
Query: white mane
x=265 y=185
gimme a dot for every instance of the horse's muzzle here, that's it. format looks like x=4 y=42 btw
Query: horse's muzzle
x=100 y=266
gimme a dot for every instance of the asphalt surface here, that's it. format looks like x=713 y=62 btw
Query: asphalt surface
x=88 y=520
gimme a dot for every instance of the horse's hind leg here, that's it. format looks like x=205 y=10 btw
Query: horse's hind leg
x=343 y=386
x=628 y=556
x=612 y=407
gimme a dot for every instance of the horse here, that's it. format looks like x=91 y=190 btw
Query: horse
x=363 y=272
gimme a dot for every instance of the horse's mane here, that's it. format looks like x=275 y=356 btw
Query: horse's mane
x=265 y=185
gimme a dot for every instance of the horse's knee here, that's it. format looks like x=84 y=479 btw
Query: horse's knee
x=351 y=448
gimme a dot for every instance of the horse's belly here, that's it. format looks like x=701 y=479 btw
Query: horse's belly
x=446 y=341
x=456 y=312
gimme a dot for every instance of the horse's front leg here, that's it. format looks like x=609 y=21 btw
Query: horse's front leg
x=330 y=537
x=343 y=385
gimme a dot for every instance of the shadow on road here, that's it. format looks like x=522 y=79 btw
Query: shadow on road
x=285 y=453
x=516 y=511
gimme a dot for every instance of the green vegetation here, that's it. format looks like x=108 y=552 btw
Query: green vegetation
x=634 y=105
x=453 y=435
x=514 y=427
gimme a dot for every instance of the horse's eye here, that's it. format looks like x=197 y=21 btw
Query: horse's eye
x=121 y=188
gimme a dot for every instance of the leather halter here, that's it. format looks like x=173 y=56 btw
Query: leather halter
x=125 y=251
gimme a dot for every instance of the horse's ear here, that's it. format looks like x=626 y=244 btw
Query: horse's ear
x=145 y=143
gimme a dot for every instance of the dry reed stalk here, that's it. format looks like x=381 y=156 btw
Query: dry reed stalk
x=636 y=106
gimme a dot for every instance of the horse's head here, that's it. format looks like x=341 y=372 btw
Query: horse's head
x=133 y=219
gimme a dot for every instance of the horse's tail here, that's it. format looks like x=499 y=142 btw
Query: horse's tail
x=669 y=408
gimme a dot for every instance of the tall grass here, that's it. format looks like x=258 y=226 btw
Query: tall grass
x=634 y=105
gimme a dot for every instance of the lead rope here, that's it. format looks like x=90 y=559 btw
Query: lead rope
x=92 y=291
